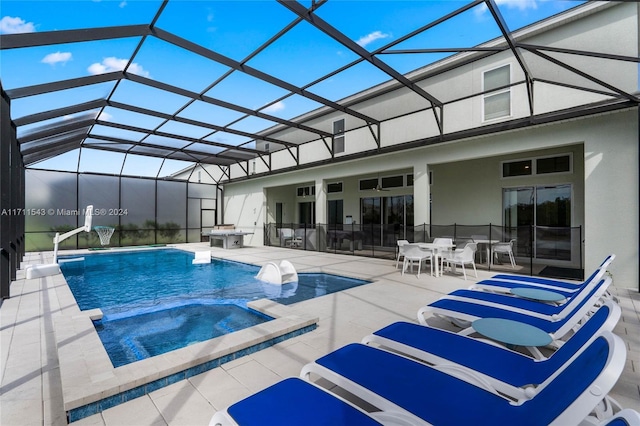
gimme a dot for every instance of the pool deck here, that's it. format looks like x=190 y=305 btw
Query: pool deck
x=32 y=389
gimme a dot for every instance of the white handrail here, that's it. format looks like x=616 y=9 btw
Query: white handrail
x=60 y=238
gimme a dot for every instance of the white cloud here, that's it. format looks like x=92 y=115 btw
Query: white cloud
x=122 y=4
x=371 y=37
x=278 y=106
x=211 y=17
x=521 y=5
x=10 y=25
x=112 y=63
x=54 y=58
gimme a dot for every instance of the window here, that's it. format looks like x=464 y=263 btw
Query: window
x=517 y=168
x=333 y=188
x=366 y=184
x=558 y=164
x=338 y=136
x=538 y=166
x=497 y=103
x=305 y=191
x=393 y=182
x=386 y=182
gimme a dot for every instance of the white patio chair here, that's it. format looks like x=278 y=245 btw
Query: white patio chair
x=413 y=253
x=463 y=241
x=504 y=248
x=289 y=238
x=401 y=244
x=298 y=237
x=286 y=234
x=463 y=257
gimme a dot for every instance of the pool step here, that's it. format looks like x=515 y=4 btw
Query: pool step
x=138 y=351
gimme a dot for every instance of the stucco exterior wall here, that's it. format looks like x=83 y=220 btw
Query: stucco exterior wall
x=605 y=153
x=611 y=195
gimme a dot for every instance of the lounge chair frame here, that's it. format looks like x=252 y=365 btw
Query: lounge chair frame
x=592 y=396
x=605 y=323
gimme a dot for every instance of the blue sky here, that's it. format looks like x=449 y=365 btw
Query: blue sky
x=233 y=29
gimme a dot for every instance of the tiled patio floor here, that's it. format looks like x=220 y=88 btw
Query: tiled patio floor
x=31 y=392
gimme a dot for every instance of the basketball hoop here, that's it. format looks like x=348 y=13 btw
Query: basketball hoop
x=105 y=233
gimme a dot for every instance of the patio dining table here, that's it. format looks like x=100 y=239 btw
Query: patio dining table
x=488 y=244
x=438 y=249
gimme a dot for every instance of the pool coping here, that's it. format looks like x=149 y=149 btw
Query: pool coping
x=91 y=384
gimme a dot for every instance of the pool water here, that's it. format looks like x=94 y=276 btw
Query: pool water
x=155 y=301
x=132 y=338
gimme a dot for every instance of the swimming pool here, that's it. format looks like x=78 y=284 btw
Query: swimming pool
x=155 y=301
x=134 y=337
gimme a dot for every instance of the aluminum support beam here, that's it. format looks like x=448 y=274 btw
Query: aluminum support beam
x=508 y=36
x=48 y=38
x=204 y=52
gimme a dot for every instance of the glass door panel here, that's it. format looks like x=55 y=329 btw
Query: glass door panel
x=371 y=220
x=408 y=210
x=335 y=227
x=279 y=213
x=335 y=208
x=553 y=220
x=553 y=206
x=393 y=225
x=408 y=219
x=519 y=216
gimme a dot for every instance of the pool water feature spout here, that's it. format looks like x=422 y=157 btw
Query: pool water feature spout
x=278 y=274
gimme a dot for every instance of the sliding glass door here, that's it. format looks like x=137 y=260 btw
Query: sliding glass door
x=387 y=219
x=307 y=213
x=548 y=210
